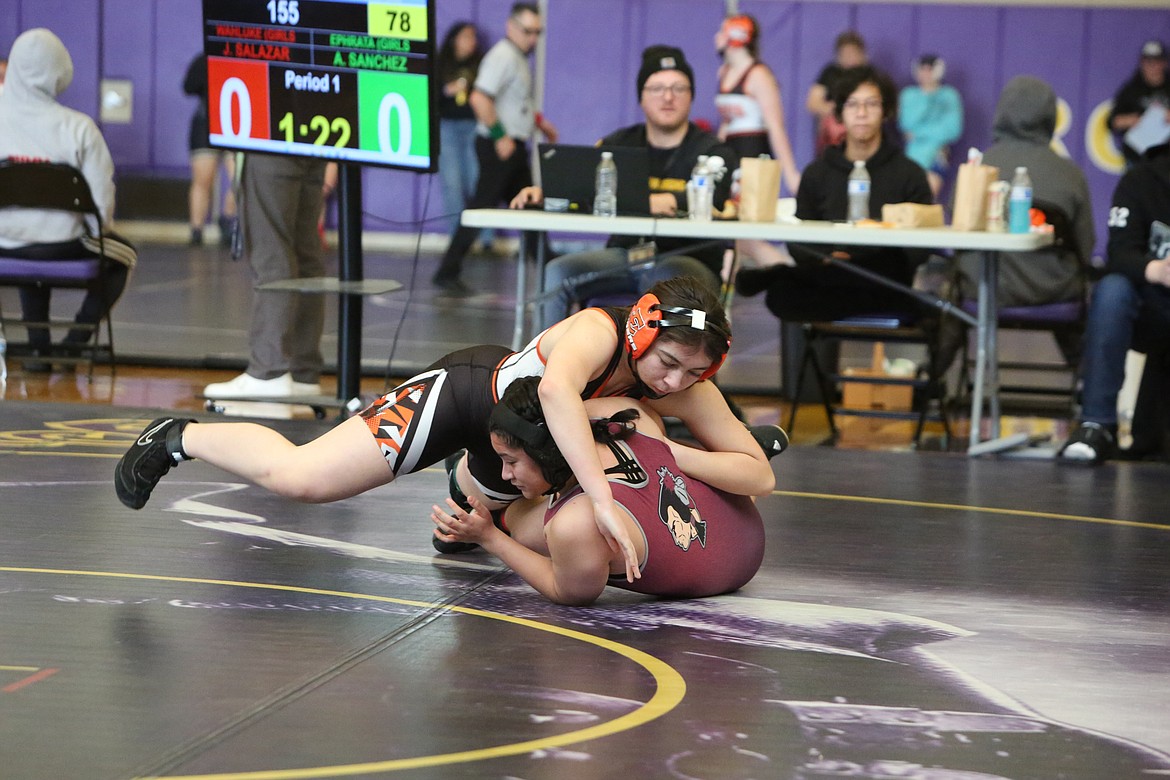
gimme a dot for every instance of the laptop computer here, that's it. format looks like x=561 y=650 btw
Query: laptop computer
x=567 y=174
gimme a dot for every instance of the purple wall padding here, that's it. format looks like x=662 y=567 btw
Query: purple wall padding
x=594 y=51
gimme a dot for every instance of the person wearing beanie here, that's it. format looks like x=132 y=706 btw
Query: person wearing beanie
x=1149 y=85
x=665 y=89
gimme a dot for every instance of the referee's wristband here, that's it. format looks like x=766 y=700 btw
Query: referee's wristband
x=497 y=131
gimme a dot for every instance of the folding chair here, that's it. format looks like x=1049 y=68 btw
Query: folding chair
x=1065 y=320
x=927 y=390
x=58 y=187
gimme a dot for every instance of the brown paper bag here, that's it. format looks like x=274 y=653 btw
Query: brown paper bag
x=759 y=189
x=911 y=215
x=970 y=212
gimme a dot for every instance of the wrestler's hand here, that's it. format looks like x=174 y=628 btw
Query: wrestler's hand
x=617 y=536
x=455 y=524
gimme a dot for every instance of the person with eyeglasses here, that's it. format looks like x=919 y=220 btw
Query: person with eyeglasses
x=506 y=119
x=811 y=290
x=665 y=90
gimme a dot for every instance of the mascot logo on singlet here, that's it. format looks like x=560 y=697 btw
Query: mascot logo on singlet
x=678 y=511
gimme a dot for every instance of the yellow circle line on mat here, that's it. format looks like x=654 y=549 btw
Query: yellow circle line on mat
x=670 y=686
x=970 y=508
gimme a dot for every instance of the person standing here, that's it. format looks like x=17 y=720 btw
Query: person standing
x=34 y=127
x=205 y=162
x=751 y=112
x=506 y=120
x=930 y=116
x=458 y=63
x=1149 y=85
x=281 y=199
x=849 y=52
x=751 y=115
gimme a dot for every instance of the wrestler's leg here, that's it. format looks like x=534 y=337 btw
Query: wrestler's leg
x=341 y=463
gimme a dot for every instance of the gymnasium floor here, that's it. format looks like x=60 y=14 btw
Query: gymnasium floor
x=917 y=615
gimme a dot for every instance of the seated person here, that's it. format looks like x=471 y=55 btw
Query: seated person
x=34 y=127
x=692 y=538
x=665 y=89
x=812 y=290
x=1133 y=297
x=1025 y=120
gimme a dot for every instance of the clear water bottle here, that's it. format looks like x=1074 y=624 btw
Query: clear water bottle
x=858 y=192
x=700 y=191
x=3 y=357
x=1020 y=202
x=605 y=199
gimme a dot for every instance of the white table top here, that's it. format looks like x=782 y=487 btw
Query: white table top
x=813 y=232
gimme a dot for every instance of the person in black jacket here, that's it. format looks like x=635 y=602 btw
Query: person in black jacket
x=1149 y=85
x=665 y=91
x=810 y=289
x=1132 y=299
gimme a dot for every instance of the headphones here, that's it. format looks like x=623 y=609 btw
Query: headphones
x=648 y=316
x=741 y=30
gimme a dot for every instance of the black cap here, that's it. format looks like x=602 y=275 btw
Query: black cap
x=658 y=58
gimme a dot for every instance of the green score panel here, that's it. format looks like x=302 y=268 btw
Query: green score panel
x=394 y=113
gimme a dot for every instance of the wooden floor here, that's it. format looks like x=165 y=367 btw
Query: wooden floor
x=917 y=614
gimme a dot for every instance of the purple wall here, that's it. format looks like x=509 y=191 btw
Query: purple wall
x=594 y=47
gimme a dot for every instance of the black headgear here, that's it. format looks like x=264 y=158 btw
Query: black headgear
x=536 y=441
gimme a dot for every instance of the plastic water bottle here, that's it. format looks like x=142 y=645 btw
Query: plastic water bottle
x=858 y=192
x=1020 y=202
x=700 y=191
x=3 y=357
x=605 y=199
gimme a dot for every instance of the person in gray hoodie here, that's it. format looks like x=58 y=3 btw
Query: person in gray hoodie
x=34 y=127
x=1025 y=120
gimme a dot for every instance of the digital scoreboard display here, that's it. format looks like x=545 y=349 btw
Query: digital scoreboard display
x=345 y=80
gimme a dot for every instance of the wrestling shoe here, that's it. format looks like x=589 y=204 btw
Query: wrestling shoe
x=150 y=457
x=771 y=438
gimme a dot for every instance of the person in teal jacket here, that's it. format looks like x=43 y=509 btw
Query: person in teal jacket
x=930 y=116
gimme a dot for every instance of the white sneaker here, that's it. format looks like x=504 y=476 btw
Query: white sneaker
x=304 y=388
x=248 y=386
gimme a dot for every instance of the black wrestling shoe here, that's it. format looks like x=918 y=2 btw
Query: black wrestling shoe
x=771 y=438
x=154 y=453
x=454 y=548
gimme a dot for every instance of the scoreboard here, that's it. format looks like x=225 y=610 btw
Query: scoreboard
x=345 y=80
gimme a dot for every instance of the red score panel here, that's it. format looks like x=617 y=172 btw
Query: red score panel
x=237 y=98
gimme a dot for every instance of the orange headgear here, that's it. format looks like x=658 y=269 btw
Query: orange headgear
x=648 y=316
x=741 y=30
